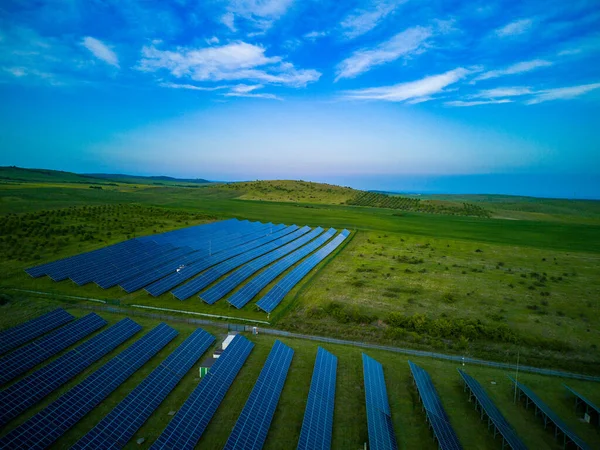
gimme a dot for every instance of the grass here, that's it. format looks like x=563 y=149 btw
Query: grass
x=350 y=427
x=541 y=296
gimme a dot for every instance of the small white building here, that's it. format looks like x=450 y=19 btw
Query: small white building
x=227 y=341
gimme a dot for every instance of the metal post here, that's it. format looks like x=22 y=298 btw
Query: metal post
x=517 y=376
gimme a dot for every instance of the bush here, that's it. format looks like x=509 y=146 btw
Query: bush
x=449 y=297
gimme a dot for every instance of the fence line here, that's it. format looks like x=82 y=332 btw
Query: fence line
x=405 y=351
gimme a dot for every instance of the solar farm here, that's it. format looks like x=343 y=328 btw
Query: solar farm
x=49 y=396
x=187 y=262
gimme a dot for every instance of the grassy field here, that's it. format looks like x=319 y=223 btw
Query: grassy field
x=350 y=427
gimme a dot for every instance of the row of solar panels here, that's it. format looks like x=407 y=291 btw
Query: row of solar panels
x=239 y=250
x=188 y=425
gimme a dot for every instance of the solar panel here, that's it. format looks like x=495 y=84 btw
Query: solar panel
x=590 y=408
x=495 y=417
x=379 y=416
x=49 y=424
x=250 y=242
x=226 y=285
x=317 y=425
x=436 y=415
x=24 y=358
x=197 y=284
x=119 y=426
x=250 y=430
x=272 y=298
x=549 y=416
x=240 y=298
x=189 y=423
x=16 y=336
x=26 y=392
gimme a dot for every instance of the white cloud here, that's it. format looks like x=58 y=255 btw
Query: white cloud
x=522 y=67
x=260 y=13
x=564 y=93
x=314 y=35
x=191 y=86
x=514 y=28
x=364 y=20
x=100 y=50
x=420 y=89
x=460 y=103
x=16 y=71
x=406 y=43
x=245 y=90
x=234 y=61
x=212 y=40
x=503 y=92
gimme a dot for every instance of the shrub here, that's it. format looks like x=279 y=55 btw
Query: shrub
x=449 y=297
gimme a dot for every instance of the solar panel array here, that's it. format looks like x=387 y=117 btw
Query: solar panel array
x=317 y=426
x=379 y=416
x=487 y=407
x=436 y=415
x=24 y=358
x=189 y=423
x=119 y=426
x=250 y=430
x=28 y=391
x=272 y=298
x=197 y=284
x=189 y=271
x=547 y=413
x=19 y=335
x=589 y=405
x=225 y=286
x=45 y=427
x=240 y=298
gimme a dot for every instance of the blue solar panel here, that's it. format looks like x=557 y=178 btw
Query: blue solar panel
x=379 y=416
x=250 y=430
x=119 y=426
x=197 y=284
x=19 y=335
x=180 y=275
x=548 y=415
x=258 y=283
x=590 y=407
x=487 y=407
x=26 y=392
x=48 y=425
x=272 y=298
x=188 y=424
x=226 y=285
x=436 y=415
x=30 y=355
x=317 y=425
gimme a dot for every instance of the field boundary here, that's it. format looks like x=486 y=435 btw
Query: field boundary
x=405 y=351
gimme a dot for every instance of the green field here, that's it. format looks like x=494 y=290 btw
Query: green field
x=475 y=286
x=350 y=426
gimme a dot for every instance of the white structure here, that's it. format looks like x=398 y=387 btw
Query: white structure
x=227 y=341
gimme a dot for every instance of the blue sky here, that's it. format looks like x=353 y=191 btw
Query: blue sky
x=365 y=93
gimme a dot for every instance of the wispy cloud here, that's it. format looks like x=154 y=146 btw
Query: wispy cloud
x=191 y=87
x=235 y=61
x=503 y=92
x=406 y=43
x=460 y=103
x=260 y=14
x=362 y=21
x=419 y=89
x=314 y=35
x=521 y=67
x=101 y=51
x=564 y=93
x=514 y=28
x=245 y=90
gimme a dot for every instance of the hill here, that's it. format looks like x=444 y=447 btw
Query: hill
x=292 y=191
x=157 y=180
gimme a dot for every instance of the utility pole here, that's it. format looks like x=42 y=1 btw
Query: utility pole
x=516 y=377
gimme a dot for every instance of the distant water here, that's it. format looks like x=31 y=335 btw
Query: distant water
x=550 y=186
